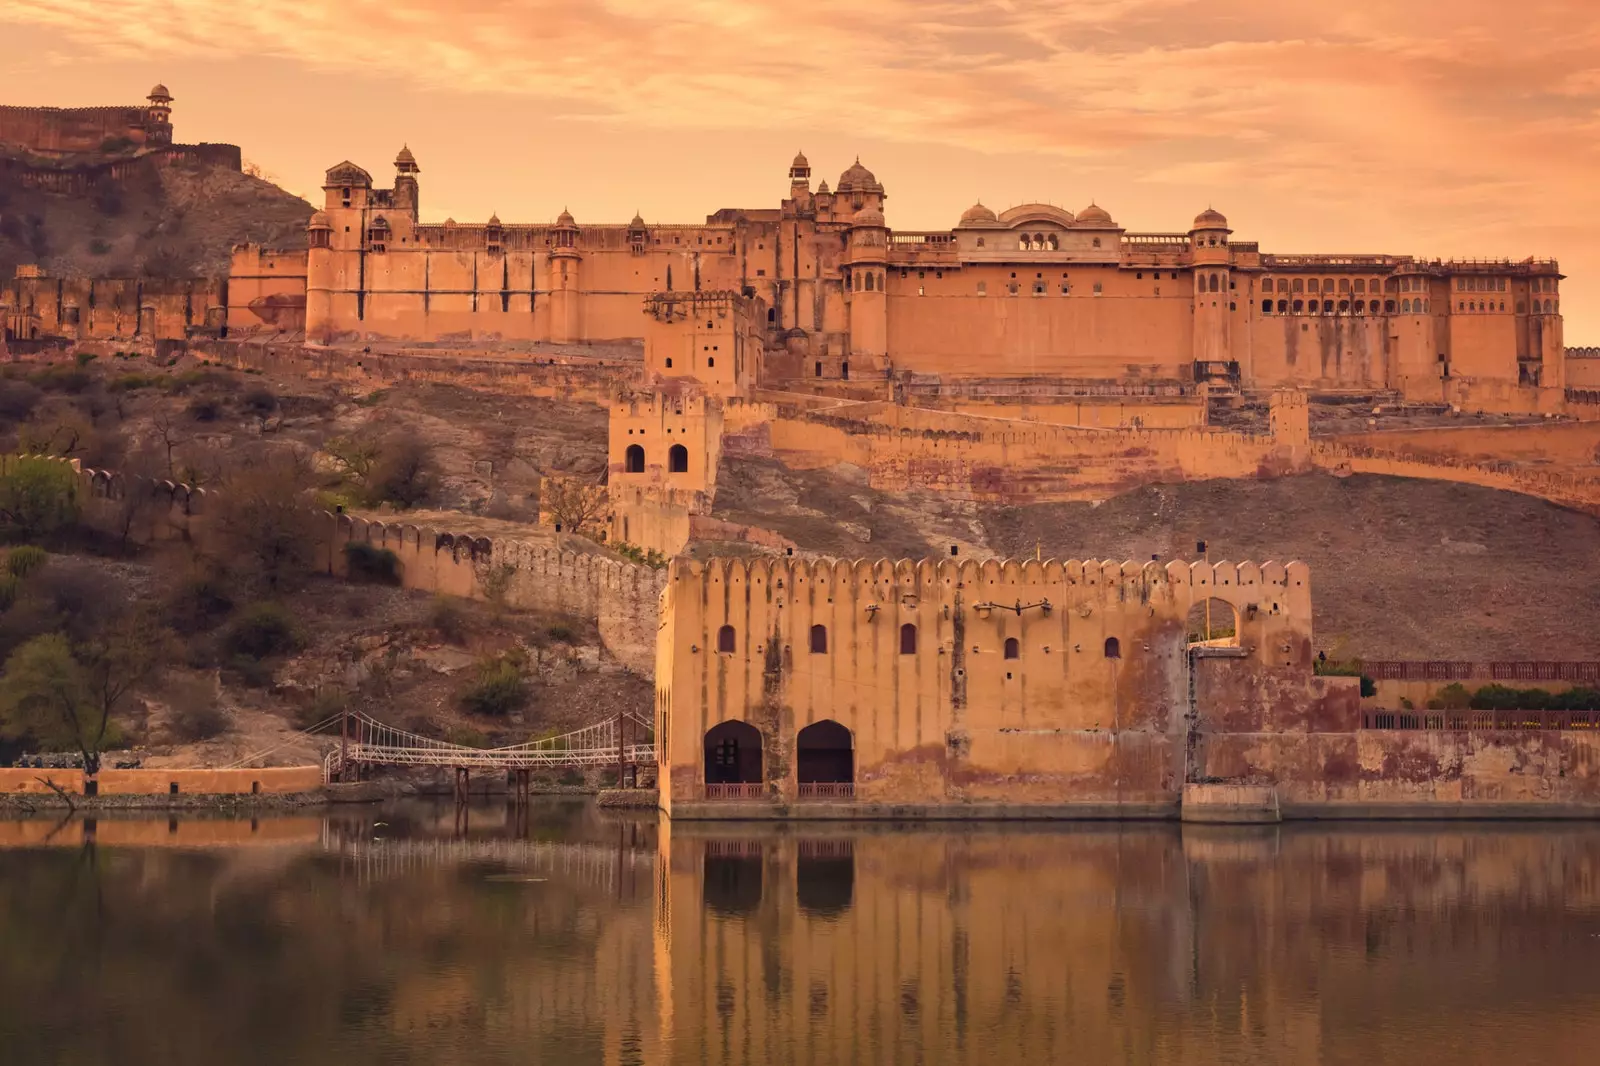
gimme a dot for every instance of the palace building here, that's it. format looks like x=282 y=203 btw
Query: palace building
x=833 y=294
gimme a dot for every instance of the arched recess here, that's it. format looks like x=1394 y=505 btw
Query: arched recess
x=825 y=754
x=825 y=877
x=733 y=754
x=633 y=459
x=1213 y=622
x=677 y=459
x=733 y=881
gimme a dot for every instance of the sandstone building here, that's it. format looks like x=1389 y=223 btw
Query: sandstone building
x=64 y=131
x=834 y=294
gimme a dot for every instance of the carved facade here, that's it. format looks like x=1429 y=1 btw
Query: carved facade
x=1032 y=292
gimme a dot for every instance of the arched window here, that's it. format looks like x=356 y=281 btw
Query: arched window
x=634 y=459
x=869 y=281
x=1113 y=648
x=677 y=459
x=908 y=639
x=1372 y=305
x=983 y=288
x=1013 y=648
x=1025 y=243
x=980 y=242
x=1344 y=306
x=1052 y=242
x=1266 y=284
x=1283 y=305
x=1405 y=306
x=1097 y=242
x=819 y=640
x=824 y=754
x=733 y=754
x=1327 y=307
x=1216 y=283
x=1388 y=305
x=1299 y=285
x=819 y=369
x=1361 y=285
x=1213 y=621
x=726 y=641
x=1266 y=307
x=1344 y=284
x=1299 y=306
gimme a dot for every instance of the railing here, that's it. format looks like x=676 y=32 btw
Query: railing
x=753 y=790
x=1482 y=720
x=922 y=238
x=827 y=790
x=1446 y=670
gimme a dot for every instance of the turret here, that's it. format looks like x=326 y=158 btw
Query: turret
x=566 y=297
x=159 y=128
x=799 y=175
x=868 y=277
x=1213 y=287
x=406 y=191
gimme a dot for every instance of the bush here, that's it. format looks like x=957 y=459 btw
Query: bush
x=132 y=382
x=205 y=409
x=570 y=776
x=18 y=399
x=498 y=690
x=67 y=379
x=198 y=604
x=1453 y=697
x=254 y=673
x=562 y=633
x=467 y=737
x=378 y=566
x=448 y=620
x=262 y=630
x=22 y=561
x=259 y=402
x=194 y=715
x=1576 y=699
x=38 y=499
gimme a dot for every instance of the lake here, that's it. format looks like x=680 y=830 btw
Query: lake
x=420 y=933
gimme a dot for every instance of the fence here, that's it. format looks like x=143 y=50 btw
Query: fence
x=1446 y=670
x=1482 y=720
x=827 y=790
x=747 y=791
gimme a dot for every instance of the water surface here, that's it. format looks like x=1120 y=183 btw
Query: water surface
x=565 y=935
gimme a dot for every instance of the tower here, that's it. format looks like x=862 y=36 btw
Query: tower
x=565 y=293
x=1213 y=289
x=158 y=129
x=406 y=191
x=868 y=302
x=799 y=176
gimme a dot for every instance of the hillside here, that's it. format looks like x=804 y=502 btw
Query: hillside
x=1400 y=569
x=180 y=220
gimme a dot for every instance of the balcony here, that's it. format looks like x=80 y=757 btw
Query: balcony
x=753 y=790
x=827 y=790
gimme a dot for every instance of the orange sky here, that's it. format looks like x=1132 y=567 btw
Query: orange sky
x=1462 y=128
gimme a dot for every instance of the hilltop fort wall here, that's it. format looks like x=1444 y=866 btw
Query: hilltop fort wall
x=141 y=311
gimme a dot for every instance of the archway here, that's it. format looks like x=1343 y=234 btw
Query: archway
x=825 y=761
x=734 y=873
x=825 y=877
x=1214 y=623
x=733 y=757
x=634 y=459
x=677 y=459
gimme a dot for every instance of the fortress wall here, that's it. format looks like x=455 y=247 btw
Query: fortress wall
x=1108 y=414
x=58 y=130
x=1581 y=494
x=560 y=372
x=1559 y=444
x=1066 y=718
x=279 y=781
x=1310 y=350
x=266 y=291
x=1414 y=768
x=112 y=309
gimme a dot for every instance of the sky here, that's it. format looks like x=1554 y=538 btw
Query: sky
x=1452 y=128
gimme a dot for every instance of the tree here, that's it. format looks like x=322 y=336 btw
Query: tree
x=259 y=523
x=571 y=502
x=397 y=468
x=65 y=696
x=38 y=498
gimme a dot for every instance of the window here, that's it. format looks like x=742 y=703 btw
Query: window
x=1266 y=307
x=1388 y=306
x=1299 y=306
x=677 y=459
x=1052 y=242
x=1299 y=285
x=1361 y=285
x=1013 y=648
x=819 y=640
x=1113 y=648
x=669 y=362
x=1327 y=307
x=983 y=288
x=1097 y=288
x=980 y=242
x=908 y=639
x=869 y=281
x=1372 y=305
x=711 y=361
x=819 y=368
x=1216 y=283
x=725 y=639
x=1038 y=288
x=1344 y=284
x=634 y=460
x=1405 y=306
x=1266 y=284
x=1097 y=242
x=1283 y=306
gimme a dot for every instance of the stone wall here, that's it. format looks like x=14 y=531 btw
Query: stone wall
x=283 y=780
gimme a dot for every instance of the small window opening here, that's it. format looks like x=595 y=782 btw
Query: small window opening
x=1013 y=649
x=908 y=639
x=1113 y=648
x=725 y=639
x=819 y=640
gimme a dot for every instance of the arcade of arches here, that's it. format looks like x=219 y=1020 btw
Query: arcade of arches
x=824 y=754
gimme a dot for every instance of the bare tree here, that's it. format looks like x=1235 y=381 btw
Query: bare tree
x=261 y=524
x=572 y=502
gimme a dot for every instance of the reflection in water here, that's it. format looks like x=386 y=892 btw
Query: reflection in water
x=564 y=935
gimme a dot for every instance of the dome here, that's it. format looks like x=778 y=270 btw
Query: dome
x=858 y=177
x=800 y=161
x=494 y=220
x=638 y=221
x=565 y=218
x=160 y=93
x=405 y=158
x=868 y=216
x=822 y=188
x=978 y=213
x=1094 y=214
x=319 y=220
x=1210 y=219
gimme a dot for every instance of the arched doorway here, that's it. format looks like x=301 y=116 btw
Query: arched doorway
x=1214 y=623
x=733 y=761
x=634 y=459
x=677 y=459
x=825 y=761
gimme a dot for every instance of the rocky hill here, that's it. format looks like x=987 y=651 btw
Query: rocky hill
x=162 y=219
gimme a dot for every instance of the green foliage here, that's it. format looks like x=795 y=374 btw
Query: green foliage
x=262 y=630
x=378 y=566
x=199 y=604
x=657 y=561
x=133 y=382
x=1453 y=697
x=38 y=499
x=498 y=689
x=46 y=697
x=61 y=378
x=1504 y=698
x=467 y=737
x=328 y=702
x=24 y=560
x=1335 y=668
